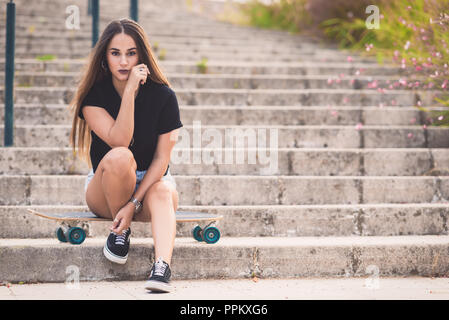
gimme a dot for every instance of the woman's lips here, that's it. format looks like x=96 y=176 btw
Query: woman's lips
x=123 y=71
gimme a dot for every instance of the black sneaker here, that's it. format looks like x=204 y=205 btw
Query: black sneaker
x=117 y=246
x=159 y=280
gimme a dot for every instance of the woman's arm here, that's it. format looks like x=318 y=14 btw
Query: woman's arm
x=159 y=164
x=118 y=132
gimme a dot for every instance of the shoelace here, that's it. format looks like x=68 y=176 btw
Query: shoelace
x=159 y=267
x=121 y=238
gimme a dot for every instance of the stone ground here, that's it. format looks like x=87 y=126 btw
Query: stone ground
x=410 y=288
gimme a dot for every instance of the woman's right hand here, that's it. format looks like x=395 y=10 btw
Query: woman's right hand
x=138 y=75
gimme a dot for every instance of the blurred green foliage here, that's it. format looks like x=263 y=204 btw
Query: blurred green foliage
x=412 y=33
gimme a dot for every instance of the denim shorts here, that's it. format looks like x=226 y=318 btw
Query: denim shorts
x=139 y=175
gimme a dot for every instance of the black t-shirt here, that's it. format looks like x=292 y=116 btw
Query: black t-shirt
x=156 y=112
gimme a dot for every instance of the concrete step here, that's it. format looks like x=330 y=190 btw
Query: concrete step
x=367 y=287
x=227 y=67
x=185 y=36
x=260 y=221
x=54 y=114
x=27 y=36
x=66 y=37
x=181 y=38
x=54 y=17
x=64 y=52
x=266 y=257
x=81 y=44
x=242 y=189
x=290 y=162
x=219 y=136
x=245 y=97
x=153 y=24
x=187 y=29
x=231 y=81
x=159 y=37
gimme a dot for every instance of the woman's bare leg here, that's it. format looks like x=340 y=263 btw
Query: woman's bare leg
x=113 y=183
x=159 y=205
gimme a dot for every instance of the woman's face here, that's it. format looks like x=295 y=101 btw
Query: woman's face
x=122 y=55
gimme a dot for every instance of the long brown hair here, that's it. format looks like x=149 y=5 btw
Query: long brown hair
x=96 y=70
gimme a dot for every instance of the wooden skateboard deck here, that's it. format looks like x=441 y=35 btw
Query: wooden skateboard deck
x=70 y=232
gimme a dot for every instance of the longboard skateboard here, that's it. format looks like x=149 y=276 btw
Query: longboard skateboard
x=73 y=227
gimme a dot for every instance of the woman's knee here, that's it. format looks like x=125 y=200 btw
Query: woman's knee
x=159 y=191
x=119 y=161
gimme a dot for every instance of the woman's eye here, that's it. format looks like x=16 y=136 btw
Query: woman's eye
x=115 y=53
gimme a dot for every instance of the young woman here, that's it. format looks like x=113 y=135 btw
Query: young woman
x=132 y=114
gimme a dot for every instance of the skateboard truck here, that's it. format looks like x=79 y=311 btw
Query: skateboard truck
x=71 y=232
x=208 y=234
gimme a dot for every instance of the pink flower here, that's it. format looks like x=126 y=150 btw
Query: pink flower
x=349 y=59
x=424 y=126
x=410 y=135
x=359 y=126
x=440 y=118
x=413 y=121
x=444 y=85
x=372 y=85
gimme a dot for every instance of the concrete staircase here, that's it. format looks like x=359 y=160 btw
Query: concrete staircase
x=359 y=184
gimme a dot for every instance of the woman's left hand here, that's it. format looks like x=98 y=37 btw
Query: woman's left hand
x=123 y=218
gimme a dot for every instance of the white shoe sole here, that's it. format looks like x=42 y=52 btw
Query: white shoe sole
x=112 y=257
x=158 y=286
